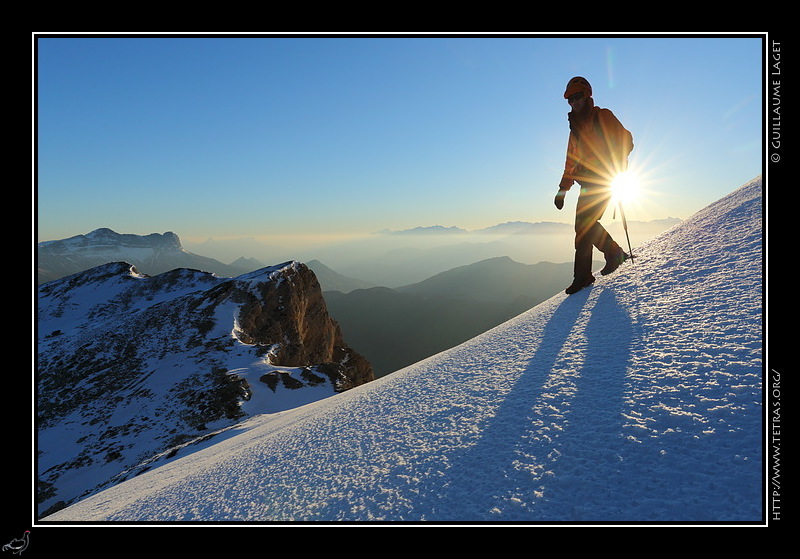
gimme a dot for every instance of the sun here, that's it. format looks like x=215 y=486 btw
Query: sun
x=625 y=187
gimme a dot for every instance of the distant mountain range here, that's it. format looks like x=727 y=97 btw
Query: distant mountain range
x=151 y=254
x=398 y=258
x=391 y=326
x=408 y=256
x=519 y=228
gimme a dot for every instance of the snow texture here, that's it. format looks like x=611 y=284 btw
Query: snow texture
x=637 y=399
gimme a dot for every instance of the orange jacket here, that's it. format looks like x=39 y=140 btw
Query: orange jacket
x=597 y=150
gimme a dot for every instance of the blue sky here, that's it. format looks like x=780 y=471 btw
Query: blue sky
x=285 y=136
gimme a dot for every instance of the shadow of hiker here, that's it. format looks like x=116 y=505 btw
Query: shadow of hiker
x=589 y=479
x=505 y=440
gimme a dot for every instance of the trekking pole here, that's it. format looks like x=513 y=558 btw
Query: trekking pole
x=625 y=226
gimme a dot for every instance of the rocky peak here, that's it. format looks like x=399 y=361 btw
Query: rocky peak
x=282 y=308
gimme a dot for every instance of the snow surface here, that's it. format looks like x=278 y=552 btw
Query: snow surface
x=638 y=399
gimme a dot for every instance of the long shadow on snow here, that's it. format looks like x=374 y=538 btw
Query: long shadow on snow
x=589 y=478
x=503 y=487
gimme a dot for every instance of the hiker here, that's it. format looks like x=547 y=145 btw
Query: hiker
x=597 y=151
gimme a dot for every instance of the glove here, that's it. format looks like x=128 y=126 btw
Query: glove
x=559 y=201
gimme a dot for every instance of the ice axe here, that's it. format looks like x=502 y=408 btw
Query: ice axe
x=625 y=226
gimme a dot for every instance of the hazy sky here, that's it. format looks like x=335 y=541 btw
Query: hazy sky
x=283 y=136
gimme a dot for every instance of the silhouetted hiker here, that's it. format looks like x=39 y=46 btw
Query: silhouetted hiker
x=597 y=151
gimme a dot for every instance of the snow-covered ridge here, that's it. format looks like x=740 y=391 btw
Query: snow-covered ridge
x=637 y=399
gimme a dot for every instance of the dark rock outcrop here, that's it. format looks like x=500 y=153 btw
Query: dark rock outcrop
x=289 y=315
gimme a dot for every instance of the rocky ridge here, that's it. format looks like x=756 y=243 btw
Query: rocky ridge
x=131 y=366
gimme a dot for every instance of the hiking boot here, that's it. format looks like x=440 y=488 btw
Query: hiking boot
x=579 y=284
x=614 y=261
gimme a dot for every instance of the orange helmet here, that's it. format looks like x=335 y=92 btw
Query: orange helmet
x=577 y=85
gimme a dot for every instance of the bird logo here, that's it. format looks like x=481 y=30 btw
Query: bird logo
x=18 y=545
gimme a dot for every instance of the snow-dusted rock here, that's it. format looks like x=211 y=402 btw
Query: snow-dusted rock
x=132 y=366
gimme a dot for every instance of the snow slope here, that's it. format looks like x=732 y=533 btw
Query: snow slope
x=638 y=399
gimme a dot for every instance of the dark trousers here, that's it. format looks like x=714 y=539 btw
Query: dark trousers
x=592 y=204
